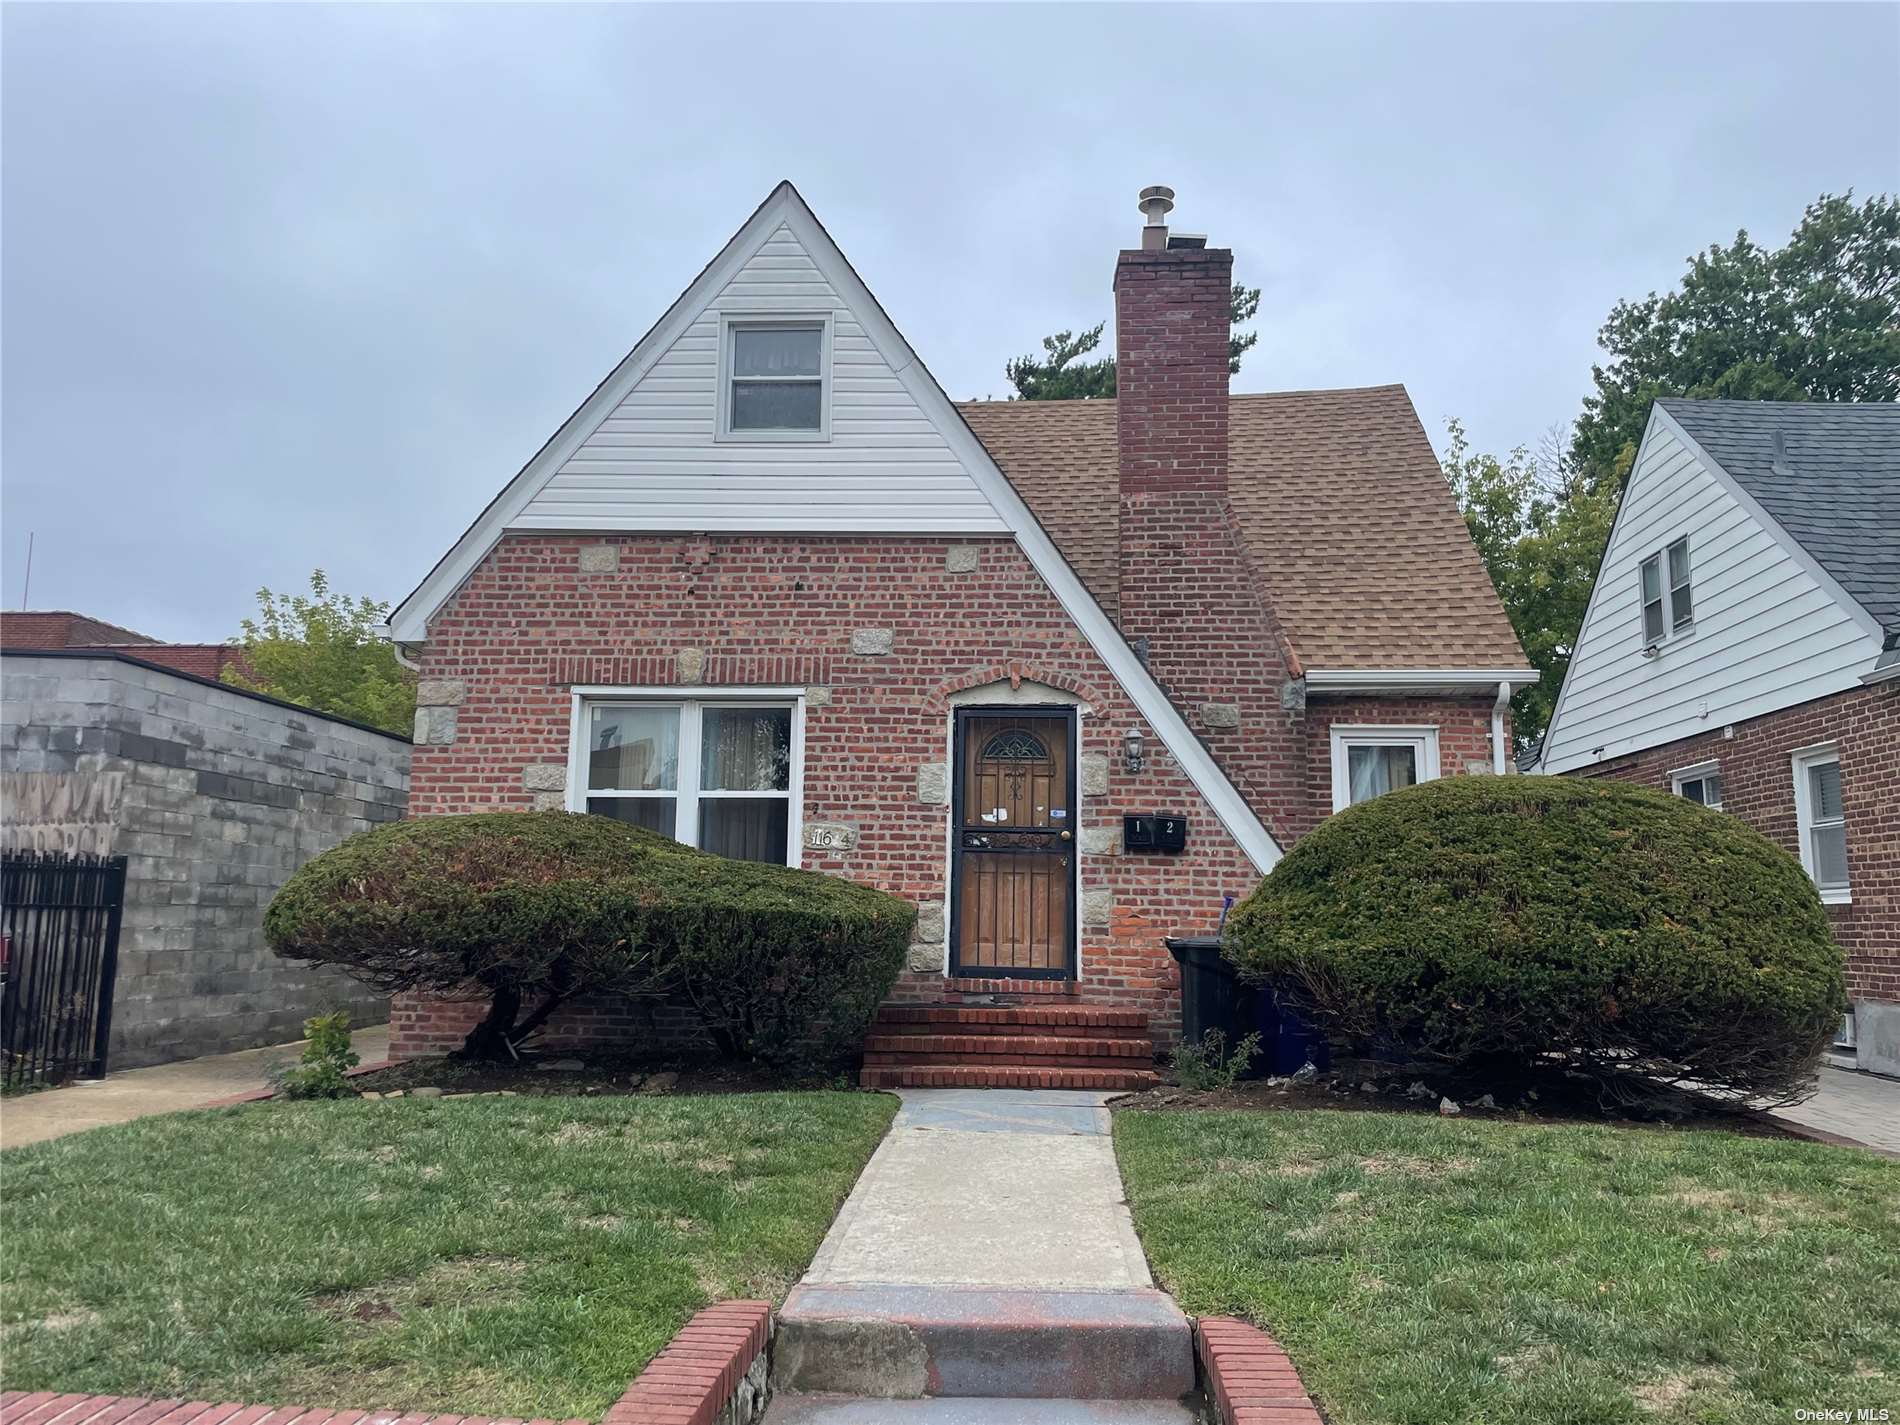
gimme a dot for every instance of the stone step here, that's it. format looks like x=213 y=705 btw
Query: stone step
x=1009 y=1019
x=792 y=1408
x=906 y=1342
x=1074 y=1050
x=1003 y=1076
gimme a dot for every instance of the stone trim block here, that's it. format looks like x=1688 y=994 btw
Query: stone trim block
x=872 y=642
x=1097 y=906
x=960 y=559
x=933 y=784
x=1220 y=715
x=689 y=664
x=441 y=692
x=550 y=801
x=544 y=777
x=817 y=697
x=600 y=558
x=1101 y=840
x=435 y=727
x=1093 y=767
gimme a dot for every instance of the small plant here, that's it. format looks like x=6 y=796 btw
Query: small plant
x=1209 y=1064
x=326 y=1059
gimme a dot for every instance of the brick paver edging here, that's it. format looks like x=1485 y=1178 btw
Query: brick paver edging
x=1249 y=1378
x=717 y=1356
x=716 y=1361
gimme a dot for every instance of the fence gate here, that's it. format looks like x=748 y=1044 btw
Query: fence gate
x=59 y=953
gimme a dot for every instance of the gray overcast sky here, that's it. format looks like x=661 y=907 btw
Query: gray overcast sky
x=289 y=286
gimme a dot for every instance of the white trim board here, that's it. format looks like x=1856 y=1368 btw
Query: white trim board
x=1416 y=680
x=408 y=624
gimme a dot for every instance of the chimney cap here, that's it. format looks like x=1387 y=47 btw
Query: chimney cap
x=1156 y=202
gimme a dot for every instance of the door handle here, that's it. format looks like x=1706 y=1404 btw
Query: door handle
x=1062 y=835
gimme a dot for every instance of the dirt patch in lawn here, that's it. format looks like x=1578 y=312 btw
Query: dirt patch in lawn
x=1357 y=1086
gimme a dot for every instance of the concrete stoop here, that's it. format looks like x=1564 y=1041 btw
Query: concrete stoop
x=909 y=1342
x=974 y=1410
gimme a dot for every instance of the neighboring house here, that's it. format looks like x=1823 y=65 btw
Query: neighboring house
x=214 y=796
x=62 y=629
x=1066 y=675
x=1742 y=649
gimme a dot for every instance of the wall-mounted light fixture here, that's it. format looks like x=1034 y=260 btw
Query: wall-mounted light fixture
x=1132 y=757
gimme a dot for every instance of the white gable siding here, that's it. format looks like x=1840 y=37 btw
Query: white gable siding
x=654 y=462
x=1767 y=633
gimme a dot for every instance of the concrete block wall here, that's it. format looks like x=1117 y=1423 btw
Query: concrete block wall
x=214 y=797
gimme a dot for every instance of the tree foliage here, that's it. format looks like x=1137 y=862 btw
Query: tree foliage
x=1540 y=530
x=1816 y=320
x=1532 y=925
x=1062 y=374
x=321 y=651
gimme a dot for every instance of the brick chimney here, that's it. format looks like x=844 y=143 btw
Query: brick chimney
x=1190 y=595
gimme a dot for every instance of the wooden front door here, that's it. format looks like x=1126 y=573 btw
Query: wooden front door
x=1013 y=856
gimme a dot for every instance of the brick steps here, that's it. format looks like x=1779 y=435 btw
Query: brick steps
x=1040 y=989
x=1050 y=1045
x=1088 y=1020
x=997 y=1076
x=1068 y=1051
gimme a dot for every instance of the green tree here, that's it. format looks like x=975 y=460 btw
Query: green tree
x=1062 y=376
x=1817 y=320
x=1540 y=528
x=322 y=651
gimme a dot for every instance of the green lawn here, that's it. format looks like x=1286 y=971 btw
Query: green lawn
x=1423 y=1271
x=504 y=1256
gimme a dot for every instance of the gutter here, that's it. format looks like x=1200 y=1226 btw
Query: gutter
x=1414 y=680
x=1497 y=725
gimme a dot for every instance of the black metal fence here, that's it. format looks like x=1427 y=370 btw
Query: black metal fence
x=59 y=954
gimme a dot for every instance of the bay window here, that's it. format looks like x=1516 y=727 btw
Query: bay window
x=719 y=773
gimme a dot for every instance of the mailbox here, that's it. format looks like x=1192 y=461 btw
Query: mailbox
x=1154 y=831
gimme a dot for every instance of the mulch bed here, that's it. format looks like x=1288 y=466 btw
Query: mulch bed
x=1556 y=1100
x=559 y=1074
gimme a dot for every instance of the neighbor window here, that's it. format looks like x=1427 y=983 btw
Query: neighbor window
x=775 y=379
x=1371 y=761
x=1668 y=593
x=1821 y=820
x=716 y=775
x=1701 y=785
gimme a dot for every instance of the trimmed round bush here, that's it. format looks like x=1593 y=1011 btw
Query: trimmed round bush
x=1531 y=923
x=530 y=909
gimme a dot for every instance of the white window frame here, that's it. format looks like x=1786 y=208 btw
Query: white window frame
x=728 y=323
x=1802 y=761
x=1423 y=741
x=1666 y=588
x=692 y=704
x=1697 y=773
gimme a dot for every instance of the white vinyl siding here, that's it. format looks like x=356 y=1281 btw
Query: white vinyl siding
x=1760 y=632
x=661 y=460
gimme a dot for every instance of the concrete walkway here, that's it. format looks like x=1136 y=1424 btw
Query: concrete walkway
x=163 y=1088
x=985 y=1254
x=1863 y=1107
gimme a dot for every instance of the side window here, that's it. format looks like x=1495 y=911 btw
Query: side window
x=1681 y=594
x=1821 y=819
x=1666 y=592
x=1371 y=761
x=1652 y=599
x=1701 y=785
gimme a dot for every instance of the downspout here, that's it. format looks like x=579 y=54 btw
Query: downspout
x=1497 y=727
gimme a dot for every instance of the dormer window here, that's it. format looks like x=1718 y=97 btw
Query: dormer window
x=775 y=379
x=1668 y=593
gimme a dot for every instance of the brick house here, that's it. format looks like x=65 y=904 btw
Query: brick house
x=1742 y=649
x=770 y=591
x=60 y=628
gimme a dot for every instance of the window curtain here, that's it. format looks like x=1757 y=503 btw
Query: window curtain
x=1374 y=771
x=746 y=750
x=763 y=351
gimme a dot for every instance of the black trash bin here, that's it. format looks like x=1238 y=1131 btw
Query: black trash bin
x=1213 y=996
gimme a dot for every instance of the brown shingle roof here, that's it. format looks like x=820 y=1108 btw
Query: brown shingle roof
x=1339 y=497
